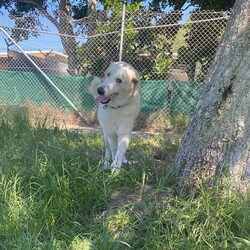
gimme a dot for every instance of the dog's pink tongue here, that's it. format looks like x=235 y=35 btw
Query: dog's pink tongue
x=100 y=99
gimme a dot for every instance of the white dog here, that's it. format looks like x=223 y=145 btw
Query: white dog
x=119 y=104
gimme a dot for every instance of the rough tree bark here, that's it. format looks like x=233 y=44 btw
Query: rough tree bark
x=218 y=135
x=69 y=41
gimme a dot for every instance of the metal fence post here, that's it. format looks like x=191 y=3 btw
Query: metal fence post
x=122 y=31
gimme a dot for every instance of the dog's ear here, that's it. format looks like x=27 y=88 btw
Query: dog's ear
x=136 y=86
x=106 y=71
x=92 y=88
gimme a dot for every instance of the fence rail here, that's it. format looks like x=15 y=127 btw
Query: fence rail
x=171 y=54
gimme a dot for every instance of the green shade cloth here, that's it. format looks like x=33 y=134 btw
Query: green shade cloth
x=18 y=88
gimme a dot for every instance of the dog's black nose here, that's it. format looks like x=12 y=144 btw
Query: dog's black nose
x=100 y=91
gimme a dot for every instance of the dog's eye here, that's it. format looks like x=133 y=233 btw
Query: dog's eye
x=118 y=80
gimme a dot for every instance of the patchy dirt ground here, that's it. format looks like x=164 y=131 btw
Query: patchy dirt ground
x=68 y=120
x=91 y=130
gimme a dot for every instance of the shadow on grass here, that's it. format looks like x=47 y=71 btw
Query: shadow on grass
x=53 y=186
x=55 y=195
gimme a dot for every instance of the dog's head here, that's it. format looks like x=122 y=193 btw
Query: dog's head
x=120 y=80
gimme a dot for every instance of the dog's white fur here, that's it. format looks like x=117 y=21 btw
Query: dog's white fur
x=117 y=117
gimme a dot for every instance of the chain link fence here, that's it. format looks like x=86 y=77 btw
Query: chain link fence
x=48 y=72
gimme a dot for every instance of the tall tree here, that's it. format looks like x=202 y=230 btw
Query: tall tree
x=218 y=136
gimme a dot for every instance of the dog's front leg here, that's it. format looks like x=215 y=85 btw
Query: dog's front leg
x=110 y=147
x=123 y=142
x=106 y=164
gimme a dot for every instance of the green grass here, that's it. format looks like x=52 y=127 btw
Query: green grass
x=55 y=195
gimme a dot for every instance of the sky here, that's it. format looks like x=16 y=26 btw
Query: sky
x=42 y=42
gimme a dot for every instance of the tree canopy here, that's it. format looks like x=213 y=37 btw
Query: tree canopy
x=160 y=6
x=61 y=12
x=80 y=8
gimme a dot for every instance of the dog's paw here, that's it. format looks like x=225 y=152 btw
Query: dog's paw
x=126 y=162
x=106 y=165
x=114 y=167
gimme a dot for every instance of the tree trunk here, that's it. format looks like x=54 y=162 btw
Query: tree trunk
x=92 y=4
x=92 y=17
x=218 y=136
x=69 y=42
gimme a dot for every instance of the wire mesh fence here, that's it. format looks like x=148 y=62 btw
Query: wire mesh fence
x=172 y=52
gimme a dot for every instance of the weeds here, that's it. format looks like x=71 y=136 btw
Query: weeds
x=55 y=195
x=177 y=122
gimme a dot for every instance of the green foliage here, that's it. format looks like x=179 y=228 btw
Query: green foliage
x=177 y=122
x=213 y=4
x=54 y=195
x=147 y=49
x=80 y=9
x=142 y=48
x=201 y=42
x=163 y=60
x=106 y=48
x=160 y=6
x=180 y=40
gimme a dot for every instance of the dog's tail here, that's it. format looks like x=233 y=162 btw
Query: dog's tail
x=93 y=86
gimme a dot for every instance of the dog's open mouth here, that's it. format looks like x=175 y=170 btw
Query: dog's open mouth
x=106 y=99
